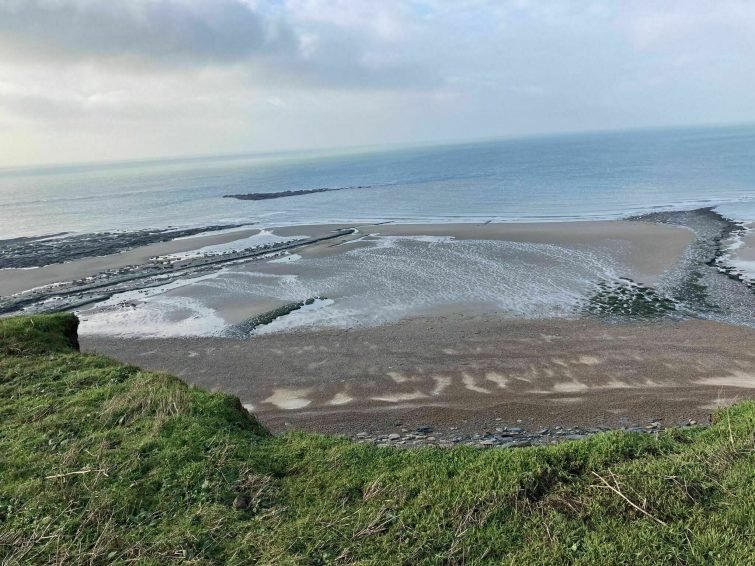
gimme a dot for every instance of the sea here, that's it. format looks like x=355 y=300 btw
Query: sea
x=558 y=178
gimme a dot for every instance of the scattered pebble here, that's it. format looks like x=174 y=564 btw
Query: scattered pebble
x=503 y=437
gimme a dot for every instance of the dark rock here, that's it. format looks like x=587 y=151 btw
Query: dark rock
x=283 y=194
x=241 y=502
x=46 y=250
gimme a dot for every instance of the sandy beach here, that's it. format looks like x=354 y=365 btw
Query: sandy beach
x=470 y=373
x=648 y=249
x=459 y=327
x=378 y=274
x=651 y=247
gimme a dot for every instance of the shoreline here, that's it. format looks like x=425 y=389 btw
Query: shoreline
x=53 y=266
x=17 y=280
x=664 y=260
x=625 y=356
x=129 y=272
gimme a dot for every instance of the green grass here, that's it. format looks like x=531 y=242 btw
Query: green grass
x=105 y=463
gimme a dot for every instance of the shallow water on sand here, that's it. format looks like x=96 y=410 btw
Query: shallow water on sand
x=388 y=279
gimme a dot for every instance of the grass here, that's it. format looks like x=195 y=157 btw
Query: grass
x=104 y=463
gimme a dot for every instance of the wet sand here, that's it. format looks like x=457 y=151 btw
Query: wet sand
x=644 y=252
x=466 y=372
x=649 y=249
x=746 y=252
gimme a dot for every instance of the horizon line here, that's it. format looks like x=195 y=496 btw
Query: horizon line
x=51 y=167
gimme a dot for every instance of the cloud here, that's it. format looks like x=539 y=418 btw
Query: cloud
x=690 y=24
x=386 y=21
x=162 y=31
x=306 y=43
x=155 y=77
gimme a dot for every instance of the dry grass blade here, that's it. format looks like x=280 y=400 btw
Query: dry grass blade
x=625 y=498
x=78 y=473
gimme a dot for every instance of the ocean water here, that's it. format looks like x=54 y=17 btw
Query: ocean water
x=586 y=176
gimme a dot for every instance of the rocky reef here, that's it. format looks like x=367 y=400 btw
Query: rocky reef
x=700 y=285
x=60 y=248
x=283 y=194
x=246 y=328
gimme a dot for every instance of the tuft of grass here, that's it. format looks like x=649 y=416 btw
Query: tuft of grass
x=38 y=334
x=104 y=463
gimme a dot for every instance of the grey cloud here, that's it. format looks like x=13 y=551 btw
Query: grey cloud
x=186 y=33
x=159 y=31
x=341 y=62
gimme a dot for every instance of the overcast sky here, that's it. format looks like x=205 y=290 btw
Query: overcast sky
x=90 y=80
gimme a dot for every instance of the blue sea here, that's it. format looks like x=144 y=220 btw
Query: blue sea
x=568 y=177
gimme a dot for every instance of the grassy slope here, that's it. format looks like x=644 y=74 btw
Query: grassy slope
x=103 y=462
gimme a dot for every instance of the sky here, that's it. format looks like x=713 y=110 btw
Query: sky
x=100 y=80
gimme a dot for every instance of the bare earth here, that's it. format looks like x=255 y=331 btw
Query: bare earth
x=466 y=372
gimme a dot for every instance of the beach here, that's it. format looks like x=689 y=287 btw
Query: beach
x=463 y=375
x=666 y=242
x=16 y=280
x=494 y=333
x=402 y=282
x=452 y=360
x=368 y=275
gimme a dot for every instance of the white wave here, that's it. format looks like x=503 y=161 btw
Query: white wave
x=747 y=267
x=263 y=237
x=385 y=282
x=735 y=245
x=162 y=316
x=287 y=258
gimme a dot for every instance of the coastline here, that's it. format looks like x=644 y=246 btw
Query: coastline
x=626 y=357
x=645 y=251
x=673 y=263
